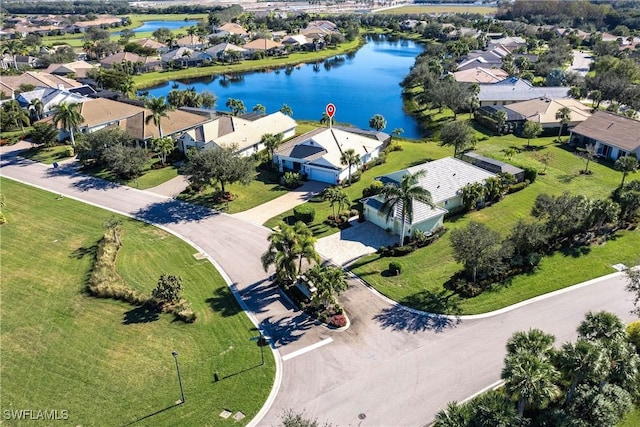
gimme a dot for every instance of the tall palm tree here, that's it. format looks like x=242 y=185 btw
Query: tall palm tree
x=326 y=119
x=529 y=379
x=69 y=116
x=13 y=47
x=192 y=31
x=281 y=253
x=580 y=360
x=403 y=196
x=259 y=108
x=271 y=142
x=603 y=326
x=285 y=109
x=350 y=158
x=337 y=199
x=564 y=115
x=159 y=109
x=534 y=341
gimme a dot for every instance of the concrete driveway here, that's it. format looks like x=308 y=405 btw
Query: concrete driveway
x=362 y=238
x=260 y=214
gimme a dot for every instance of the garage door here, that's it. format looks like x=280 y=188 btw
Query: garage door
x=322 y=176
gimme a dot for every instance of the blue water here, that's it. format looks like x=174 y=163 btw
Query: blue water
x=154 y=25
x=360 y=85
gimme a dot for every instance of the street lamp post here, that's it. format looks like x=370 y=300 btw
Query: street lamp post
x=175 y=357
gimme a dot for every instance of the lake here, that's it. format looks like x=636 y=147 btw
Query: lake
x=360 y=85
x=151 y=26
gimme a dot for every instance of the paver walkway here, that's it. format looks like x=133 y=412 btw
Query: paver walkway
x=260 y=214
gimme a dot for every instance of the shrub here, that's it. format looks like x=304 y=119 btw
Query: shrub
x=304 y=213
x=184 y=312
x=466 y=289
x=339 y=321
x=291 y=180
x=634 y=334
x=530 y=173
x=69 y=151
x=373 y=189
x=394 y=146
x=517 y=187
x=382 y=250
x=395 y=268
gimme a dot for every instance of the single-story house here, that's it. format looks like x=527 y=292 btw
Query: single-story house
x=493 y=165
x=614 y=136
x=10 y=84
x=78 y=68
x=316 y=154
x=444 y=179
x=152 y=44
x=141 y=63
x=245 y=131
x=480 y=75
x=487 y=116
x=263 y=45
x=513 y=90
x=484 y=59
x=186 y=57
x=50 y=98
x=222 y=51
x=543 y=110
x=193 y=42
x=230 y=28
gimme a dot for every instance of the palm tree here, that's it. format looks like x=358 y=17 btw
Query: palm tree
x=396 y=132
x=329 y=282
x=259 y=108
x=68 y=114
x=281 y=253
x=403 y=196
x=15 y=114
x=501 y=120
x=455 y=415
x=579 y=361
x=271 y=142
x=305 y=246
x=13 y=47
x=529 y=379
x=326 y=119
x=603 y=326
x=589 y=153
x=159 y=109
x=37 y=107
x=337 y=199
x=626 y=165
x=350 y=158
x=564 y=115
x=236 y=106
x=192 y=31
x=285 y=109
x=377 y=122
x=535 y=341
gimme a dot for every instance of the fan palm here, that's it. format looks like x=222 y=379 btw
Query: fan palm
x=564 y=115
x=337 y=199
x=403 y=196
x=581 y=360
x=534 y=341
x=305 y=245
x=37 y=107
x=15 y=114
x=69 y=116
x=350 y=158
x=159 y=109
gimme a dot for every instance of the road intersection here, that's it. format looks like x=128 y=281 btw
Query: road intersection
x=391 y=367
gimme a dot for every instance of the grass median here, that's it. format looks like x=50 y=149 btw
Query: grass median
x=104 y=361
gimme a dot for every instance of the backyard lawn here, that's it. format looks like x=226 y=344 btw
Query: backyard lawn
x=47 y=155
x=106 y=362
x=151 y=176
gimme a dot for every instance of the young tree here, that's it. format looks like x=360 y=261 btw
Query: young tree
x=531 y=130
x=350 y=158
x=44 y=134
x=501 y=121
x=633 y=286
x=220 y=165
x=377 y=122
x=626 y=165
x=271 y=142
x=402 y=197
x=564 y=116
x=125 y=161
x=14 y=115
x=396 y=132
x=168 y=290
x=588 y=153
x=458 y=135
x=472 y=194
x=68 y=115
x=477 y=247
x=544 y=158
x=337 y=199
x=329 y=282
x=163 y=147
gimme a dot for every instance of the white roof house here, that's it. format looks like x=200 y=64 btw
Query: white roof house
x=50 y=98
x=245 y=132
x=317 y=154
x=444 y=180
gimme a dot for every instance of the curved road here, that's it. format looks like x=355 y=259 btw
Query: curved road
x=391 y=367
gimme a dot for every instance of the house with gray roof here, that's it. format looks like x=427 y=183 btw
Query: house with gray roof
x=444 y=179
x=513 y=90
x=317 y=154
x=614 y=136
x=50 y=97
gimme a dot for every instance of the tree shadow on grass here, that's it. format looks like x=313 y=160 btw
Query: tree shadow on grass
x=174 y=211
x=83 y=251
x=576 y=251
x=223 y=302
x=444 y=301
x=142 y=314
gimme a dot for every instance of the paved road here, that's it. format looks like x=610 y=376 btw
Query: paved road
x=392 y=367
x=580 y=63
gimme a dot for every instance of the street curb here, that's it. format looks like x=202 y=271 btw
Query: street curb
x=276 y=355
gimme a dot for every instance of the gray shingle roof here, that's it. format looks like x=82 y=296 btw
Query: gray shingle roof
x=515 y=89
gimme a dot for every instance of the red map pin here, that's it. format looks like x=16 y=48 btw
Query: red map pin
x=331 y=110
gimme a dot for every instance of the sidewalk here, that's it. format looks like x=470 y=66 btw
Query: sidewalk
x=260 y=214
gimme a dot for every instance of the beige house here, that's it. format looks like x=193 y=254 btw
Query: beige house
x=480 y=75
x=244 y=132
x=614 y=136
x=544 y=110
x=78 y=68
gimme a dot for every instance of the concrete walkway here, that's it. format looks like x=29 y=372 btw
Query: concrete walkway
x=171 y=188
x=260 y=214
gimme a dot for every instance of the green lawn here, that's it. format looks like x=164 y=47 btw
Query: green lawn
x=426 y=271
x=263 y=188
x=631 y=420
x=47 y=155
x=103 y=361
x=150 y=177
